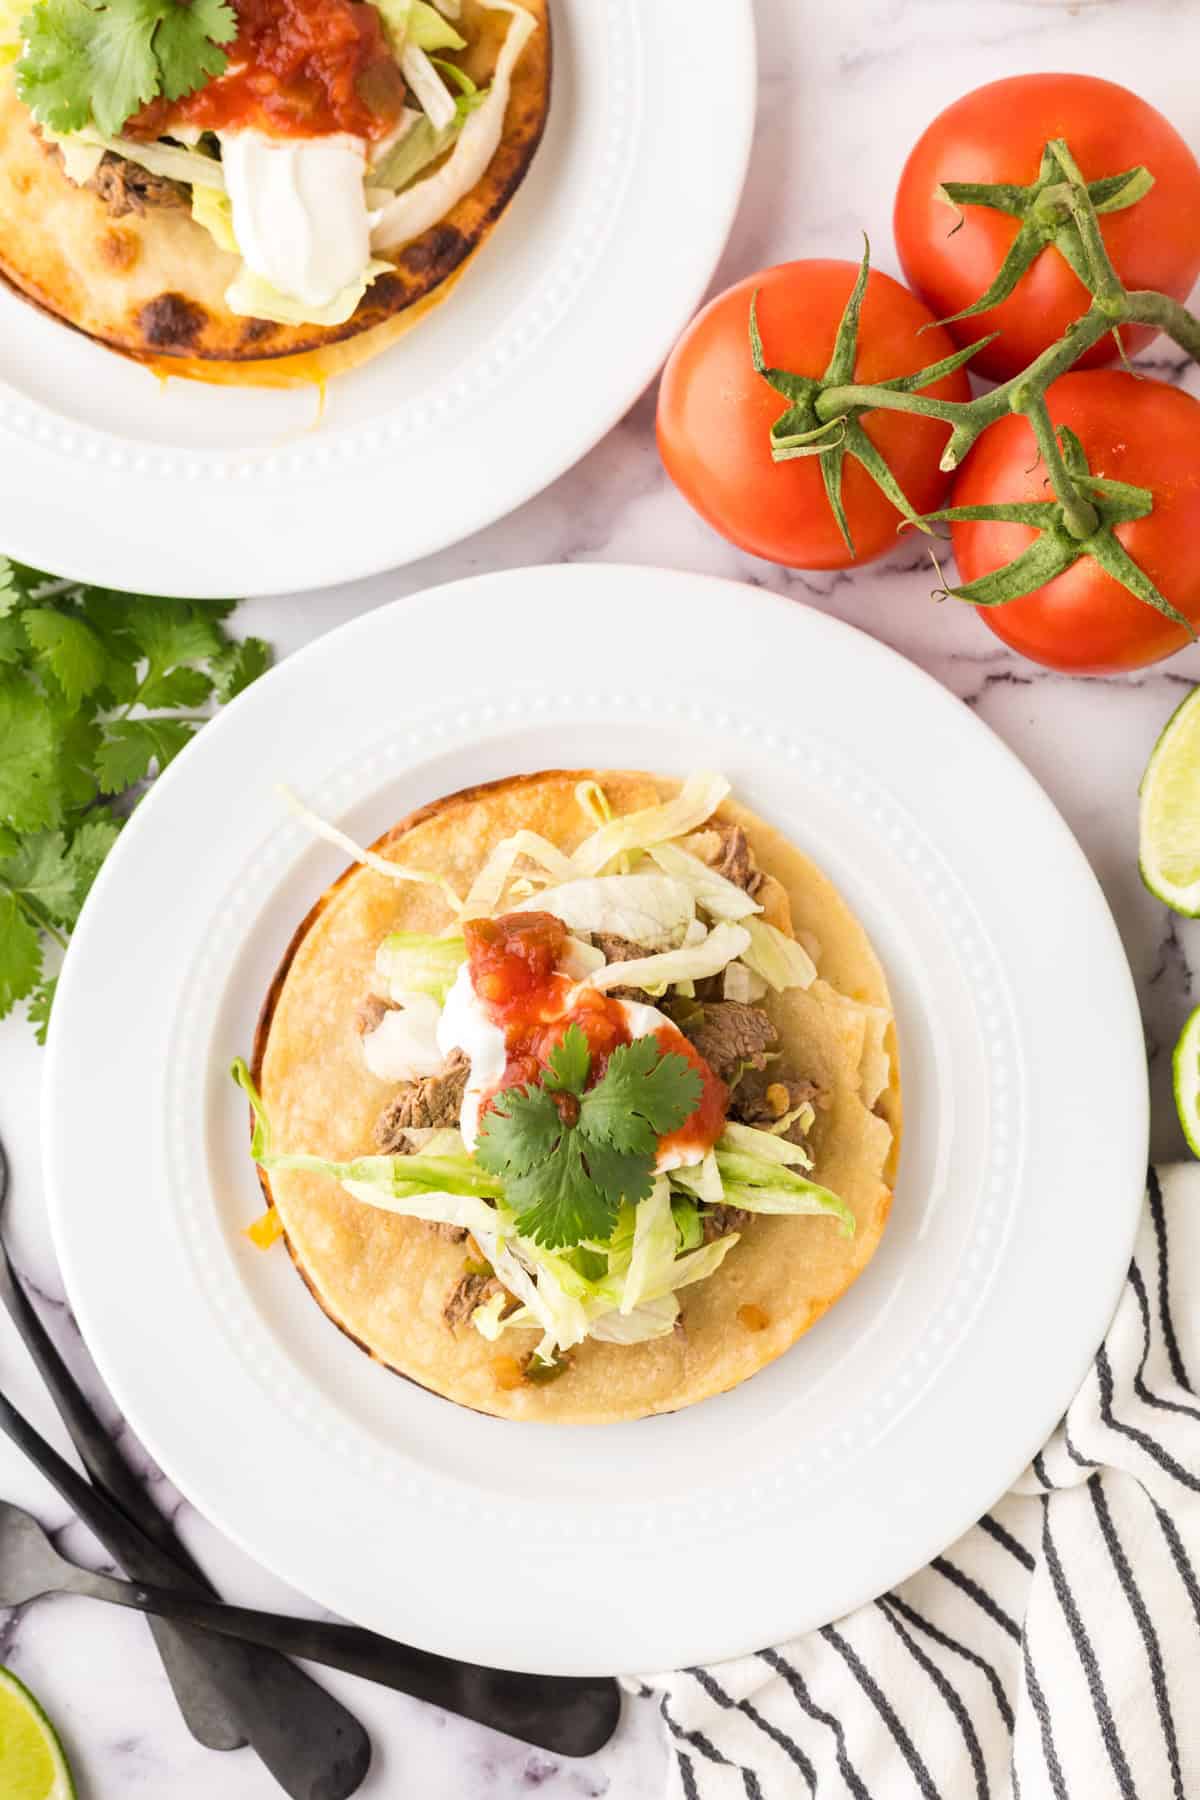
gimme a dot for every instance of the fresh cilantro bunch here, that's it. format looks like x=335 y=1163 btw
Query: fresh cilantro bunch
x=97 y=690
x=102 y=60
x=569 y=1154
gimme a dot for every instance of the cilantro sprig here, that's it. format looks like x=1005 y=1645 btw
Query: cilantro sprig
x=98 y=690
x=103 y=60
x=569 y=1154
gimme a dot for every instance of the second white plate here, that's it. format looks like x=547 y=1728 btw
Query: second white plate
x=179 y=488
x=892 y=1424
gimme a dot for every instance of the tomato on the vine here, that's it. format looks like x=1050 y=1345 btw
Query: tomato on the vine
x=1132 y=430
x=715 y=414
x=996 y=135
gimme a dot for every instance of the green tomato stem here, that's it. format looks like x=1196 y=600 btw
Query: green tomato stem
x=1079 y=515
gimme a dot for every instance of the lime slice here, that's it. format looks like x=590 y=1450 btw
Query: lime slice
x=1169 y=822
x=1185 y=1068
x=32 y=1764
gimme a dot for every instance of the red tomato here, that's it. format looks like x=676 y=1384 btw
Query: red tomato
x=1083 y=621
x=996 y=134
x=715 y=414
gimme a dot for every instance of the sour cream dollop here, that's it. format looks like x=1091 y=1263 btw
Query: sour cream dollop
x=299 y=211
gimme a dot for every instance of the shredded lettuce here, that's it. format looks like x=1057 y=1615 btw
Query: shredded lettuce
x=409 y=963
x=651 y=910
x=743 y=984
x=747 y=1140
x=170 y=161
x=485 y=891
x=702 y=1179
x=719 y=898
x=689 y=1232
x=412 y=154
x=427 y=87
x=698 y=798
x=211 y=208
x=486 y=1318
x=428 y=201
x=653 y=1248
x=653 y=1319
x=251 y=297
x=696 y=1265
x=692 y=962
x=760 y=1183
x=11 y=14
x=779 y=959
x=368 y=858
x=80 y=161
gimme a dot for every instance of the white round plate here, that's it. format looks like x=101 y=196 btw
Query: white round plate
x=891 y=1425
x=180 y=488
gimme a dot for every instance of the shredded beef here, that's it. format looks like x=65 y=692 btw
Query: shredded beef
x=470 y=1291
x=735 y=860
x=729 y=1034
x=434 y=1101
x=719 y=1221
x=618 y=950
x=125 y=187
x=372 y=1012
x=764 y=1096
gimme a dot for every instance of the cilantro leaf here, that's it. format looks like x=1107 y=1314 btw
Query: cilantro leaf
x=569 y=1155
x=175 y=687
x=69 y=648
x=235 y=667
x=30 y=789
x=37 y=1009
x=20 y=953
x=79 y=667
x=13 y=642
x=520 y=1131
x=89 y=847
x=53 y=75
x=121 y=62
x=132 y=746
x=10 y=592
x=186 y=43
x=104 y=59
x=642 y=1094
x=40 y=869
x=569 y=1063
x=559 y=1203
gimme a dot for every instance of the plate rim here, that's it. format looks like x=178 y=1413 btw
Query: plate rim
x=861 y=644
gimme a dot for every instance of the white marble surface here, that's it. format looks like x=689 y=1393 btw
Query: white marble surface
x=844 y=91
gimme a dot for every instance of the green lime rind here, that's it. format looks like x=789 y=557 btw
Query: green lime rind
x=1185 y=1072
x=1169 y=813
x=33 y=1764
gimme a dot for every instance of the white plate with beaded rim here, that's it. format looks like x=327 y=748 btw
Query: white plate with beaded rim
x=604 y=254
x=891 y=1425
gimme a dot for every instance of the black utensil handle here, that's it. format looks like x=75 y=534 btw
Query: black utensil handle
x=573 y=1716
x=99 y=1455
x=210 y=1717
x=313 y=1745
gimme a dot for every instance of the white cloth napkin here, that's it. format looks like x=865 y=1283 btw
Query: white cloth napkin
x=1052 y=1651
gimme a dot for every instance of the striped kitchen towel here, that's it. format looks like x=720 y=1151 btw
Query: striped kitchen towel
x=1053 y=1651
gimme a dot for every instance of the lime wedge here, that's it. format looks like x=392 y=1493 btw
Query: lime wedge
x=32 y=1764
x=1185 y=1069
x=1169 y=821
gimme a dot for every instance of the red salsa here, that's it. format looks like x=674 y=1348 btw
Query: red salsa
x=513 y=962
x=298 y=68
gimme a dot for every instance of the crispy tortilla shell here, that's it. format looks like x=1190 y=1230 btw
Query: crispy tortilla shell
x=152 y=284
x=384 y=1279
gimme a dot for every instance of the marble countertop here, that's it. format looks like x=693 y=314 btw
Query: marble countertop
x=844 y=90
